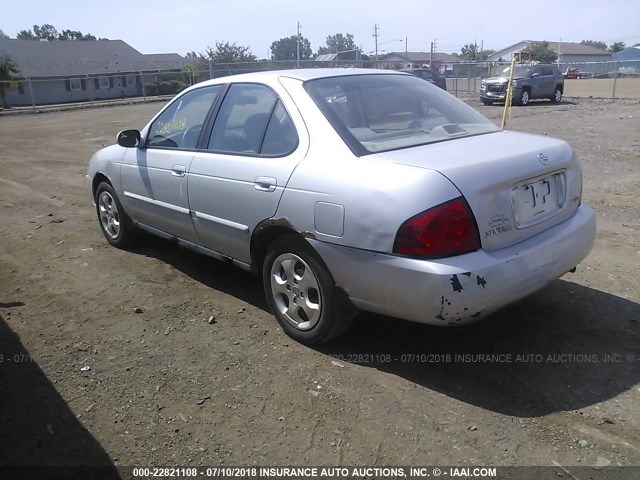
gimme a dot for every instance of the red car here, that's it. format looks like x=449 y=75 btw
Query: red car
x=574 y=73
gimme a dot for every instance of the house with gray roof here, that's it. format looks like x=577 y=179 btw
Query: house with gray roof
x=73 y=71
x=567 y=52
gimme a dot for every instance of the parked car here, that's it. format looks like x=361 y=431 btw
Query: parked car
x=574 y=73
x=428 y=75
x=529 y=82
x=349 y=190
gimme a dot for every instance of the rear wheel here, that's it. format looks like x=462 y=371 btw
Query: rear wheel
x=302 y=294
x=557 y=95
x=116 y=226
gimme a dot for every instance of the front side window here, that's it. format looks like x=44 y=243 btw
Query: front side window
x=379 y=112
x=252 y=121
x=180 y=124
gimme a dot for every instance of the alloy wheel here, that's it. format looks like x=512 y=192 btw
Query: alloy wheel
x=109 y=215
x=296 y=292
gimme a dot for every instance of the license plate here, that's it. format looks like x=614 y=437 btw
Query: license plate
x=536 y=201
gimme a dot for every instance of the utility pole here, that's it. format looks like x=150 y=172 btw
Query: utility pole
x=375 y=36
x=298 y=47
x=406 y=42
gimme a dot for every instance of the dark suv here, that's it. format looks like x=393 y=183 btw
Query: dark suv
x=428 y=75
x=529 y=82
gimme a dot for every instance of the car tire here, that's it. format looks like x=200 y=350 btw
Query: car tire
x=557 y=95
x=115 y=224
x=487 y=102
x=525 y=96
x=302 y=294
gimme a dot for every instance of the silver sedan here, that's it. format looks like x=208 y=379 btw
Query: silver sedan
x=349 y=190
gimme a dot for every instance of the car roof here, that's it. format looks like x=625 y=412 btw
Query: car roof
x=301 y=74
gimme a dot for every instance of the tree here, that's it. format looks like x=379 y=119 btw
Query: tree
x=541 y=52
x=49 y=32
x=595 y=44
x=7 y=67
x=469 y=51
x=196 y=63
x=45 y=31
x=75 y=35
x=617 y=47
x=3 y=35
x=196 y=57
x=340 y=43
x=230 y=53
x=25 y=35
x=287 y=49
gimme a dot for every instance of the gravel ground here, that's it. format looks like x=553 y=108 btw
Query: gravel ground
x=84 y=379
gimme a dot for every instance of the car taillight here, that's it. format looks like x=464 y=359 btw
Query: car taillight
x=443 y=231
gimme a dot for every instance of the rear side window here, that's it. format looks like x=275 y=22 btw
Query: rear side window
x=280 y=138
x=252 y=121
x=546 y=71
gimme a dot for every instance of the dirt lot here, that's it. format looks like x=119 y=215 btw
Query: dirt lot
x=167 y=388
x=625 y=87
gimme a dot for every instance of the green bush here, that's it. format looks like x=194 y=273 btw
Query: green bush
x=151 y=88
x=177 y=86
x=165 y=88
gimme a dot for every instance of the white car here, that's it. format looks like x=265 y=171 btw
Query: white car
x=350 y=190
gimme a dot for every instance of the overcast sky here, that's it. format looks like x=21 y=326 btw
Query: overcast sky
x=166 y=26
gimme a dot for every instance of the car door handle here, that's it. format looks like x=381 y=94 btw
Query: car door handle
x=265 y=184
x=178 y=170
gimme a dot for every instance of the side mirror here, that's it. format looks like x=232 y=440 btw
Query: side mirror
x=535 y=74
x=129 y=138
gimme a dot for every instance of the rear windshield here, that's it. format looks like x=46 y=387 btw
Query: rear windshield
x=378 y=112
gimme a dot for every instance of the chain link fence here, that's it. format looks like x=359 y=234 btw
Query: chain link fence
x=601 y=80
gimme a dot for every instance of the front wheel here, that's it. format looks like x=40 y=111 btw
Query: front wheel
x=487 y=102
x=524 y=98
x=557 y=95
x=116 y=226
x=302 y=294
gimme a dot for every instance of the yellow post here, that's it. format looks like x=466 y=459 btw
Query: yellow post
x=507 y=99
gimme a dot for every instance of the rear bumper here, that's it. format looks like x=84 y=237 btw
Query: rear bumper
x=461 y=289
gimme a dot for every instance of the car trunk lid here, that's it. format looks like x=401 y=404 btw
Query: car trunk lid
x=516 y=184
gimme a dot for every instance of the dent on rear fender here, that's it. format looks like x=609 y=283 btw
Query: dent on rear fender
x=457 y=306
x=282 y=222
